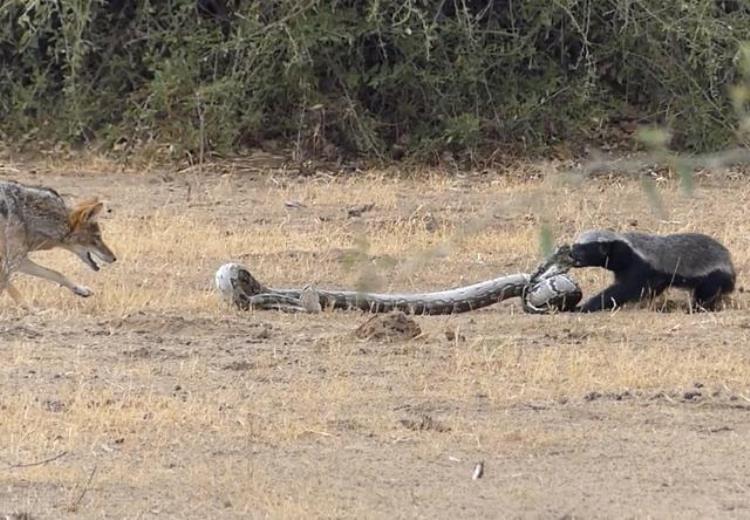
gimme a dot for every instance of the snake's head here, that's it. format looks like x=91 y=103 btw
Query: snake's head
x=557 y=263
x=563 y=257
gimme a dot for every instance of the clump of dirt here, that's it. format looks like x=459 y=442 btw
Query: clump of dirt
x=239 y=365
x=16 y=516
x=140 y=352
x=394 y=326
x=424 y=423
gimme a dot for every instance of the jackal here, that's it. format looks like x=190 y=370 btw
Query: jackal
x=35 y=218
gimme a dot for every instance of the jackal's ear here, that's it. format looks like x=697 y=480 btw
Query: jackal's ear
x=84 y=212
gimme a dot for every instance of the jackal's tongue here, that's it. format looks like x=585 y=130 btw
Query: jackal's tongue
x=92 y=263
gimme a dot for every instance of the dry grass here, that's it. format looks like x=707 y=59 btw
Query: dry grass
x=185 y=407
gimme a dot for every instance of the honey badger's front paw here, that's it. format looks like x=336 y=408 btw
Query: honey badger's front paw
x=82 y=291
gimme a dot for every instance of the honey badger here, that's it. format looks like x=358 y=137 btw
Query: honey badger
x=645 y=265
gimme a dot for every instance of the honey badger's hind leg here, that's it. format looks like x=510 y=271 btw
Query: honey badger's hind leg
x=709 y=290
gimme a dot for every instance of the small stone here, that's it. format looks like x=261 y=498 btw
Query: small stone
x=478 y=471
x=691 y=394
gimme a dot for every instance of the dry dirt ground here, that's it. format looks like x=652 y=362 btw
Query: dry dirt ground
x=154 y=399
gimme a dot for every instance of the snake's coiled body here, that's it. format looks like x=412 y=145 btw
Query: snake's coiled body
x=549 y=288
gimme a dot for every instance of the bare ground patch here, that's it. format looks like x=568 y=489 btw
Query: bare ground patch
x=153 y=399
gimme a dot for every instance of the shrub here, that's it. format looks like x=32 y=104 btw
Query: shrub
x=367 y=76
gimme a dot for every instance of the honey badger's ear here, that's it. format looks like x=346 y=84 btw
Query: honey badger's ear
x=84 y=212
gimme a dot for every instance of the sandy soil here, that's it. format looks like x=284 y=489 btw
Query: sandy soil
x=154 y=399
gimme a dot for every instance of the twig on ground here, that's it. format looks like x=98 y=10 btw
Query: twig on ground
x=39 y=463
x=74 y=506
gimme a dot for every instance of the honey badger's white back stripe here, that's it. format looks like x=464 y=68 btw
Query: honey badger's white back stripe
x=684 y=254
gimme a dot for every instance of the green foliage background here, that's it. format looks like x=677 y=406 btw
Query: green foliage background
x=367 y=76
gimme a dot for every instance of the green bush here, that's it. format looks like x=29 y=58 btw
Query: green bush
x=367 y=76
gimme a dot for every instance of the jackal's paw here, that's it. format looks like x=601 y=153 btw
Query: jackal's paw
x=82 y=291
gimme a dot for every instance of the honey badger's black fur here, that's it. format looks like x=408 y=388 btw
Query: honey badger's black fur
x=645 y=265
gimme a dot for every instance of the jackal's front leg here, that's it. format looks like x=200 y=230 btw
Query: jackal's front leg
x=30 y=268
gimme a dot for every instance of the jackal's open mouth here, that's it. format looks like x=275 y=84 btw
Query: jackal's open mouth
x=91 y=262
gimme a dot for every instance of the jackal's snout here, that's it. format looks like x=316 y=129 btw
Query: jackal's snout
x=85 y=238
x=96 y=251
